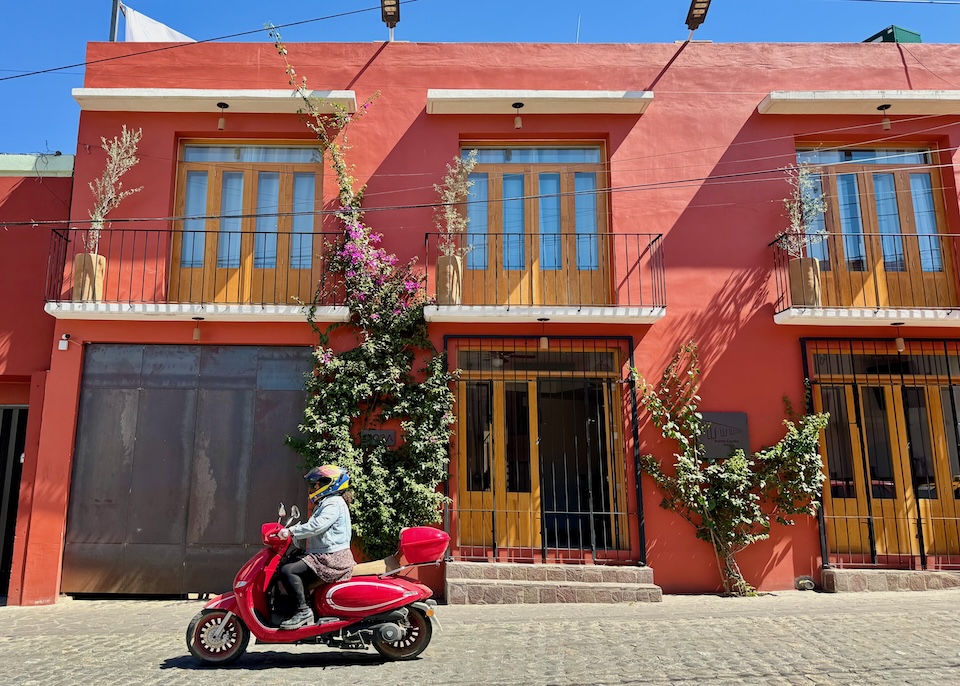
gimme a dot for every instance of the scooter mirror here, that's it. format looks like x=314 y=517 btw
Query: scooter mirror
x=295 y=512
x=282 y=511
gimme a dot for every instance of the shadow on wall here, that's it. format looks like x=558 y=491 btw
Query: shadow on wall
x=719 y=261
x=741 y=298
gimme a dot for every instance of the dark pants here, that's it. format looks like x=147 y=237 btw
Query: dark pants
x=296 y=576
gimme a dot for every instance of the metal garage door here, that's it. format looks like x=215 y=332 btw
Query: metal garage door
x=179 y=459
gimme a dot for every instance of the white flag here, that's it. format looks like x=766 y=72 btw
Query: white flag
x=143 y=29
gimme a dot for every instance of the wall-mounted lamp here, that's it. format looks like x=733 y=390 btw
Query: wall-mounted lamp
x=196 y=328
x=544 y=341
x=885 y=122
x=517 y=120
x=64 y=342
x=898 y=341
x=222 y=122
x=390 y=13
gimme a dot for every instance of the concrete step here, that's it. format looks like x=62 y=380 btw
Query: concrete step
x=550 y=572
x=474 y=583
x=504 y=591
x=859 y=580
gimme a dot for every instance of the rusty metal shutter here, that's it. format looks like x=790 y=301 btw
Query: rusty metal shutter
x=179 y=459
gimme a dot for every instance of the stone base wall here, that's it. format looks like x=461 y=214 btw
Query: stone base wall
x=478 y=583
x=862 y=580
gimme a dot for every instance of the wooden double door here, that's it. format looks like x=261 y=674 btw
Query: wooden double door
x=893 y=486
x=541 y=466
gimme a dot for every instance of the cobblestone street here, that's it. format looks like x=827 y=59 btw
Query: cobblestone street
x=786 y=638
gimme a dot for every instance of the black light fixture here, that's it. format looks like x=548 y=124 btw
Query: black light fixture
x=222 y=122
x=390 y=13
x=697 y=13
x=898 y=341
x=544 y=341
x=517 y=120
x=885 y=122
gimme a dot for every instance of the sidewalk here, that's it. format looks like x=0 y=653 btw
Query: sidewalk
x=787 y=638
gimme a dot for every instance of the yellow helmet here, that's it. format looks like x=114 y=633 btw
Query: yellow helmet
x=326 y=480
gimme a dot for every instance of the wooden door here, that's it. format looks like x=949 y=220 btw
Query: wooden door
x=895 y=495
x=537 y=235
x=885 y=246
x=499 y=486
x=845 y=498
x=252 y=238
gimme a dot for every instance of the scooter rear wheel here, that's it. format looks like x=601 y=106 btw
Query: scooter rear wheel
x=418 y=631
x=210 y=641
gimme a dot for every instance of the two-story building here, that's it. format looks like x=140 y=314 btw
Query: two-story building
x=626 y=199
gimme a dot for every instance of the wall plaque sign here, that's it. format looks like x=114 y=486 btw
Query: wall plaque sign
x=374 y=437
x=725 y=432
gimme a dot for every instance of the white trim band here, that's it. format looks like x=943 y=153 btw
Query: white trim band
x=198 y=100
x=468 y=101
x=42 y=166
x=186 y=312
x=555 y=314
x=835 y=316
x=861 y=102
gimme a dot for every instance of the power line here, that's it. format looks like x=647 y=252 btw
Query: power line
x=608 y=164
x=175 y=46
x=705 y=182
x=912 y=2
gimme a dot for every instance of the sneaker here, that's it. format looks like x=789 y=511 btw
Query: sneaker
x=303 y=617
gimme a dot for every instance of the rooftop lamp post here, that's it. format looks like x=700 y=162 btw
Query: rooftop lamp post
x=697 y=14
x=390 y=13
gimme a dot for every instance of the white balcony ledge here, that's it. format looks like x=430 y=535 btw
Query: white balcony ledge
x=173 y=312
x=263 y=101
x=836 y=316
x=553 y=313
x=470 y=101
x=906 y=102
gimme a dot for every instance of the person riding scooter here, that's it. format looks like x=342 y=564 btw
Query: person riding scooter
x=327 y=540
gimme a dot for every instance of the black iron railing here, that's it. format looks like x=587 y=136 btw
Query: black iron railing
x=871 y=271
x=886 y=541
x=539 y=469
x=148 y=266
x=559 y=269
x=890 y=450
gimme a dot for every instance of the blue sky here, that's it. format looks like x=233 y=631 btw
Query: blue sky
x=37 y=113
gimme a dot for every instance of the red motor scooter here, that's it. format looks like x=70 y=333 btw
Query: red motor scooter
x=375 y=607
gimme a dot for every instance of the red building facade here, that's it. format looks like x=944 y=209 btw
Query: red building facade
x=34 y=190
x=631 y=208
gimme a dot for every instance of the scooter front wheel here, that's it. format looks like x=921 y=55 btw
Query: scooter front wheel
x=417 y=633
x=211 y=640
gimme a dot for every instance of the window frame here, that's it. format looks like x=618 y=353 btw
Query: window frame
x=260 y=272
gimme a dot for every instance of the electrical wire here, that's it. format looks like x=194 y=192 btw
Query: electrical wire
x=175 y=46
x=710 y=182
x=608 y=164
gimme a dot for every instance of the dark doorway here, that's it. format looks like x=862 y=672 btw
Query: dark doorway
x=582 y=505
x=13 y=432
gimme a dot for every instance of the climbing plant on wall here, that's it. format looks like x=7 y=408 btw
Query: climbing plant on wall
x=731 y=502
x=392 y=374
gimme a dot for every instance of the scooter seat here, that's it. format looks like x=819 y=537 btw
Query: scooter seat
x=387 y=564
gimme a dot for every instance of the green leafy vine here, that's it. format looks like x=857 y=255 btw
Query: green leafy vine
x=730 y=502
x=374 y=383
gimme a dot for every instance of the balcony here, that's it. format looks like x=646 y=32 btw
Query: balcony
x=563 y=277
x=871 y=279
x=172 y=275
